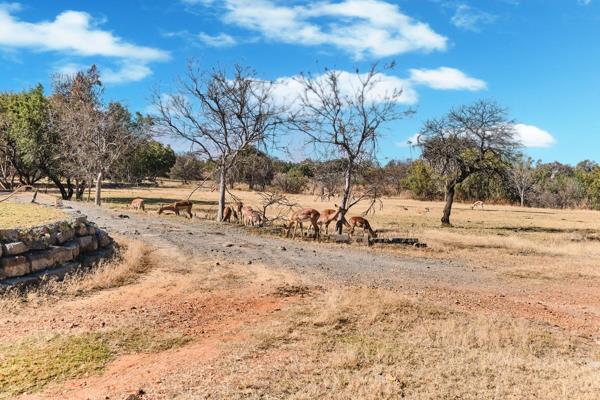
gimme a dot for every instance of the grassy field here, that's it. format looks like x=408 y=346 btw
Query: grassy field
x=523 y=322
x=22 y=215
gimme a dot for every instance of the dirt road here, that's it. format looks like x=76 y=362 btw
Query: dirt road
x=232 y=243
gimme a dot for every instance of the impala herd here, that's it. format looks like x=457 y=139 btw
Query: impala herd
x=246 y=215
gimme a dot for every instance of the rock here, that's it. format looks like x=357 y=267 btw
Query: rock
x=103 y=238
x=91 y=230
x=41 y=260
x=82 y=230
x=65 y=235
x=74 y=247
x=9 y=235
x=62 y=254
x=282 y=248
x=123 y=216
x=15 y=248
x=228 y=245
x=249 y=262
x=14 y=266
x=87 y=243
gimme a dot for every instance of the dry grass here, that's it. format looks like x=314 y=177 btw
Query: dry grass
x=31 y=364
x=133 y=259
x=371 y=344
x=17 y=215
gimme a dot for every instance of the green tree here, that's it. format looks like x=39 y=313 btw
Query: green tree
x=187 y=168
x=422 y=181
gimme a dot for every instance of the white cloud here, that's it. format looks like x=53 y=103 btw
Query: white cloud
x=220 y=40
x=584 y=2
x=471 y=19
x=74 y=33
x=286 y=90
x=411 y=141
x=445 y=78
x=532 y=136
x=360 y=27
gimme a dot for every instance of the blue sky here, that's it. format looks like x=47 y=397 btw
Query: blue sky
x=539 y=58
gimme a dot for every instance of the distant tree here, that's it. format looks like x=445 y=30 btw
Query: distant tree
x=27 y=138
x=345 y=123
x=469 y=140
x=421 y=180
x=291 y=182
x=396 y=172
x=221 y=116
x=521 y=174
x=254 y=168
x=187 y=168
x=149 y=160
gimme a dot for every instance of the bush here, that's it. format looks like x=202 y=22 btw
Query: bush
x=292 y=182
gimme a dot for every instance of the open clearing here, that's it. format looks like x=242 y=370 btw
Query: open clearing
x=24 y=215
x=504 y=305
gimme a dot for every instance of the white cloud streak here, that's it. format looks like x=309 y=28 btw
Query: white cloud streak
x=360 y=27
x=220 y=40
x=75 y=33
x=532 y=136
x=445 y=78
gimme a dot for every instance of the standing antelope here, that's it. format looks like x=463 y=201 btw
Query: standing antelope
x=255 y=218
x=305 y=214
x=246 y=214
x=328 y=216
x=361 y=223
x=477 y=204
x=177 y=206
x=137 y=204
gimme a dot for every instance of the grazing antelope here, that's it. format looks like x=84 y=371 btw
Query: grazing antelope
x=305 y=214
x=361 y=223
x=255 y=218
x=229 y=212
x=328 y=216
x=477 y=204
x=137 y=204
x=177 y=206
x=246 y=214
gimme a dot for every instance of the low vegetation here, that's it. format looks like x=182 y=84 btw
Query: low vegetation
x=16 y=215
x=29 y=365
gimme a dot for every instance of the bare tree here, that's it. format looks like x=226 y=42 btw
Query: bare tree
x=95 y=136
x=342 y=116
x=219 y=116
x=470 y=139
x=521 y=174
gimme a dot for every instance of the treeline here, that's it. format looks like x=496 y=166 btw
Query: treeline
x=524 y=182
x=74 y=139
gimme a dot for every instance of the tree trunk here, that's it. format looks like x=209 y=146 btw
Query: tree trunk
x=98 y=198
x=222 y=187
x=522 y=194
x=60 y=186
x=344 y=205
x=79 y=189
x=450 y=189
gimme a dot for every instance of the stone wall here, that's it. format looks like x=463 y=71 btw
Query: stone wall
x=55 y=247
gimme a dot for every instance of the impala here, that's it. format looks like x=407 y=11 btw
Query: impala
x=361 y=223
x=137 y=204
x=306 y=214
x=177 y=206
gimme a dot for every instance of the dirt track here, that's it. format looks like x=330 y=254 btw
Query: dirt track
x=232 y=243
